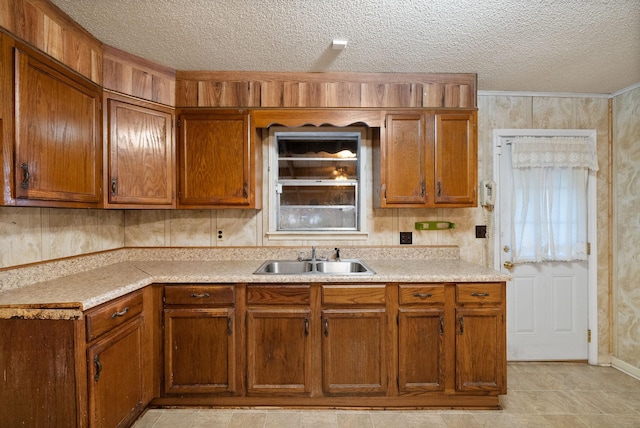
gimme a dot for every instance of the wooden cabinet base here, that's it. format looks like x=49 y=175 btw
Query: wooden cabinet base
x=435 y=401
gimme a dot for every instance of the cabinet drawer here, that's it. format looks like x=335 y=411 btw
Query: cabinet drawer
x=278 y=294
x=479 y=293
x=110 y=315
x=423 y=294
x=199 y=295
x=354 y=294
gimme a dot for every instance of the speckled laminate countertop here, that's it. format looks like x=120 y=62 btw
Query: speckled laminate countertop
x=68 y=296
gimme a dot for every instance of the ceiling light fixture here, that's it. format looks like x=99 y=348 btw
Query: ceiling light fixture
x=339 y=44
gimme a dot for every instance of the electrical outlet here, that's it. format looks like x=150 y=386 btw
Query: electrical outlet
x=406 y=237
x=481 y=231
x=220 y=238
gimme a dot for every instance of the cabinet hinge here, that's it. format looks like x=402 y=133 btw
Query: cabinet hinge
x=588 y=248
x=589 y=336
x=179 y=123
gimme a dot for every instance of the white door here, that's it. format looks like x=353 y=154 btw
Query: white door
x=547 y=303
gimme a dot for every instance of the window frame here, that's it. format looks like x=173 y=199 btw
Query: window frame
x=361 y=185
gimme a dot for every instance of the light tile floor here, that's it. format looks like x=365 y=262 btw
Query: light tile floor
x=539 y=395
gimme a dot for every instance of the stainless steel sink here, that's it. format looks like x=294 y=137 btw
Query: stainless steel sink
x=348 y=267
x=285 y=267
x=309 y=267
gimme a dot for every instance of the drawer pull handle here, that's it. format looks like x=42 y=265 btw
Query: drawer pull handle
x=422 y=295
x=306 y=327
x=474 y=294
x=96 y=361
x=121 y=313
x=199 y=296
x=326 y=327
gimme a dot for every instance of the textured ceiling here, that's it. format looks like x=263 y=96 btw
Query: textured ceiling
x=577 y=46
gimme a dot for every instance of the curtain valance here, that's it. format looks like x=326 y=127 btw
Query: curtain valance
x=540 y=152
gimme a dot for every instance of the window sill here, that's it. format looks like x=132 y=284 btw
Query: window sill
x=319 y=235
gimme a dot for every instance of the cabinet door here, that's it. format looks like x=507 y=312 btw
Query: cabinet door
x=420 y=350
x=199 y=350
x=279 y=351
x=115 y=377
x=354 y=351
x=215 y=164
x=140 y=155
x=480 y=354
x=456 y=159
x=57 y=136
x=404 y=161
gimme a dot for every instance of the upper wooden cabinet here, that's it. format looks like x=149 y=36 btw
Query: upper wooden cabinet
x=139 y=153
x=57 y=147
x=456 y=158
x=216 y=160
x=428 y=159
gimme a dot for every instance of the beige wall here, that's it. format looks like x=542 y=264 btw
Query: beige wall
x=35 y=234
x=626 y=159
x=29 y=235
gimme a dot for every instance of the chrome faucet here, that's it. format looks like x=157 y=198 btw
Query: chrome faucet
x=337 y=250
x=313 y=254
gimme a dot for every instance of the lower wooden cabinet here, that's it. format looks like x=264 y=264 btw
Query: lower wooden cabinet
x=421 y=360
x=406 y=345
x=199 y=350
x=115 y=357
x=421 y=339
x=199 y=339
x=278 y=351
x=354 y=351
x=303 y=345
x=278 y=337
x=93 y=370
x=115 y=377
x=480 y=338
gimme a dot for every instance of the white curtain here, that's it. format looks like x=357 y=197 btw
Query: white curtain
x=550 y=197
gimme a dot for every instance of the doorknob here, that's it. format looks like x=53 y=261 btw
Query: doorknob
x=508 y=264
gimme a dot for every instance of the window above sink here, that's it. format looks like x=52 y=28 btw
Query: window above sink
x=316 y=176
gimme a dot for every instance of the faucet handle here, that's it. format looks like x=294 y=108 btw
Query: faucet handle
x=337 y=250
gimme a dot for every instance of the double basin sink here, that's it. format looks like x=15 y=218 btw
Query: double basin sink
x=313 y=267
